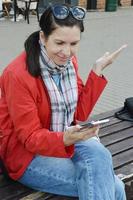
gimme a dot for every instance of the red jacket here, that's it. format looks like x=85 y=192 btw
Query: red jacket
x=25 y=116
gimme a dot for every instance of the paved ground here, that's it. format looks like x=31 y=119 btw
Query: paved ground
x=104 y=31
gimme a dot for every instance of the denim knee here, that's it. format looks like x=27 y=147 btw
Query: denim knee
x=93 y=150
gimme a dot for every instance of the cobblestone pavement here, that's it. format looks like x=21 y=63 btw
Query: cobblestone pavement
x=104 y=31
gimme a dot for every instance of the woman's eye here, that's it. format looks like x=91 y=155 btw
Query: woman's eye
x=74 y=43
x=59 y=43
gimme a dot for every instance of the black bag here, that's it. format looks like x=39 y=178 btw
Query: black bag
x=126 y=113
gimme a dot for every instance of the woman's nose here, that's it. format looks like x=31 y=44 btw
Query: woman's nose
x=67 y=51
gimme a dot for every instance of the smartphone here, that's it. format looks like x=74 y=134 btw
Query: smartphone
x=91 y=124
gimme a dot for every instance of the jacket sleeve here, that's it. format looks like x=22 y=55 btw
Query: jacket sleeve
x=88 y=93
x=28 y=128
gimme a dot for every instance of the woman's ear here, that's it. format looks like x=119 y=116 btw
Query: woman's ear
x=42 y=37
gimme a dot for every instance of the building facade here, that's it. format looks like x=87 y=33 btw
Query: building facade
x=101 y=4
x=88 y=4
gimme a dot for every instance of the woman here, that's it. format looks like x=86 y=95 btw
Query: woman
x=42 y=97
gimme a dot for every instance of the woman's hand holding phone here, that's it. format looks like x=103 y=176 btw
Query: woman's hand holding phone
x=82 y=132
x=74 y=134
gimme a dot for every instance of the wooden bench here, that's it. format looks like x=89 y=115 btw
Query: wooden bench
x=116 y=135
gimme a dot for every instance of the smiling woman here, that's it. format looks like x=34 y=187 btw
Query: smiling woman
x=42 y=97
x=61 y=46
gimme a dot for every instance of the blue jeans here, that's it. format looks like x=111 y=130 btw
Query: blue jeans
x=88 y=175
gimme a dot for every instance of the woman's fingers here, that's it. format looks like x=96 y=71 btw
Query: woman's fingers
x=106 y=60
x=106 y=54
x=115 y=54
x=73 y=134
x=88 y=133
x=110 y=57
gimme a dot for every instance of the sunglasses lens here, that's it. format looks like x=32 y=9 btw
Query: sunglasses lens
x=60 y=12
x=78 y=13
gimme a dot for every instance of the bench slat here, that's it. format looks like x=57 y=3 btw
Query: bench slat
x=121 y=145
x=126 y=169
x=108 y=130
x=120 y=136
x=35 y=195
x=123 y=159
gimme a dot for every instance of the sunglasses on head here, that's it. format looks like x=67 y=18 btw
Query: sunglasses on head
x=62 y=12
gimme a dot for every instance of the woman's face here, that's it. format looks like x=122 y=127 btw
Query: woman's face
x=62 y=44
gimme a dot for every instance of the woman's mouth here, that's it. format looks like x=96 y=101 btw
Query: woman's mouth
x=63 y=58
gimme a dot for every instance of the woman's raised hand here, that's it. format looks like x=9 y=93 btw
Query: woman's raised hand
x=106 y=60
x=73 y=134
